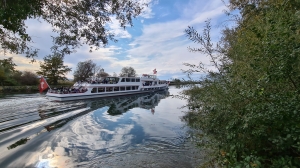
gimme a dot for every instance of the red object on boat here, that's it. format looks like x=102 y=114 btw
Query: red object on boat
x=43 y=84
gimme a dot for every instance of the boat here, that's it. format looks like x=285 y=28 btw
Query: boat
x=109 y=86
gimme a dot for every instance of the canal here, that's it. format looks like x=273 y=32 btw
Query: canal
x=130 y=131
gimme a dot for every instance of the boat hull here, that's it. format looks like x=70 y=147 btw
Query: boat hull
x=80 y=96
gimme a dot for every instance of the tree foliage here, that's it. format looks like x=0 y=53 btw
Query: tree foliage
x=53 y=68
x=29 y=78
x=9 y=76
x=128 y=71
x=77 y=22
x=102 y=75
x=249 y=107
x=8 y=64
x=7 y=71
x=85 y=70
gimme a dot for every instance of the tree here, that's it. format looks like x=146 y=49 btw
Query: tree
x=76 y=22
x=247 y=108
x=53 y=68
x=85 y=70
x=128 y=71
x=7 y=72
x=29 y=78
x=2 y=75
x=8 y=64
x=102 y=74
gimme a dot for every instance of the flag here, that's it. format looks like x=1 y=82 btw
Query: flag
x=154 y=71
x=43 y=84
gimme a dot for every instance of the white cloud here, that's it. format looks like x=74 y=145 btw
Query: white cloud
x=160 y=45
x=147 y=10
x=201 y=17
x=115 y=28
x=23 y=63
x=164 y=46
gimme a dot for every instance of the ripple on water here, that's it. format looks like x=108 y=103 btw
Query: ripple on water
x=131 y=131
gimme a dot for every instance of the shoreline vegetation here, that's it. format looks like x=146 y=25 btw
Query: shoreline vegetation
x=245 y=112
x=18 y=89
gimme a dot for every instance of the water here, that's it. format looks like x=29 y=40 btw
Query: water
x=131 y=131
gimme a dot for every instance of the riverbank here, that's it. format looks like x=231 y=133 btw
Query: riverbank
x=16 y=89
x=19 y=89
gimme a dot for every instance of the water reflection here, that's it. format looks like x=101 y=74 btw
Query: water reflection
x=89 y=133
x=19 y=142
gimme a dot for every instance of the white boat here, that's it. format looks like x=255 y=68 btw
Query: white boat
x=110 y=86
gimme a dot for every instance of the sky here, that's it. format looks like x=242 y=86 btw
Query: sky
x=156 y=40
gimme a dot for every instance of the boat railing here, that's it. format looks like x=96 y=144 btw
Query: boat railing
x=80 y=84
x=67 y=90
x=149 y=76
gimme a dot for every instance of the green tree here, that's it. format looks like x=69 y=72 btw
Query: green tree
x=128 y=71
x=29 y=78
x=53 y=68
x=8 y=72
x=2 y=75
x=76 y=22
x=8 y=64
x=248 y=109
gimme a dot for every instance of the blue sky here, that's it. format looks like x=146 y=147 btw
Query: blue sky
x=157 y=39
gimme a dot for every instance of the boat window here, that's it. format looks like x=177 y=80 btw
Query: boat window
x=132 y=79
x=109 y=89
x=116 y=89
x=117 y=80
x=123 y=80
x=122 y=88
x=94 y=90
x=127 y=79
x=101 y=89
x=137 y=80
x=128 y=87
x=136 y=87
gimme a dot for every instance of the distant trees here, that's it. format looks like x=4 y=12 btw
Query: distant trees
x=28 y=78
x=9 y=76
x=7 y=69
x=102 y=74
x=88 y=69
x=53 y=68
x=128 y=71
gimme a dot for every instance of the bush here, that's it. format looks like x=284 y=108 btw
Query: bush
x=249 y=108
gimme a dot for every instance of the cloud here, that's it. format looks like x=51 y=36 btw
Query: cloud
x=164 y=45
x=23 y=63
x=152 y=44
x=161 y=45
x=147 y=10
x=118 y=31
